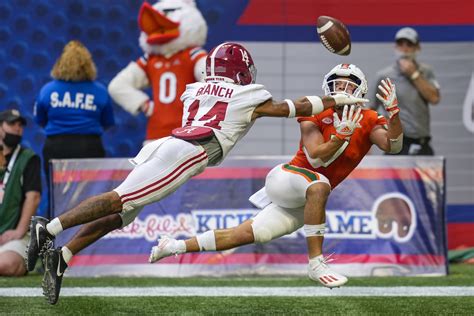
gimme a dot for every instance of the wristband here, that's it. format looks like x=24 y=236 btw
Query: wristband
x=415 y=75
x=317 y=104
x=291 y=108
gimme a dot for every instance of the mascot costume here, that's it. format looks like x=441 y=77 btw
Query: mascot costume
x=172 y=33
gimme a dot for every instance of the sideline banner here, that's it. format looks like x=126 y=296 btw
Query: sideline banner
x=387 y=218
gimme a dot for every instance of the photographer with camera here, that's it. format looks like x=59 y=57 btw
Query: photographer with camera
x=417 y=88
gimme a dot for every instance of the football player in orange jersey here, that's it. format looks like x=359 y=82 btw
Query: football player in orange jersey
x=295 y=194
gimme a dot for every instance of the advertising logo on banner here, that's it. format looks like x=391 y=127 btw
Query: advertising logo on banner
x=387 y=216
x=392 y=216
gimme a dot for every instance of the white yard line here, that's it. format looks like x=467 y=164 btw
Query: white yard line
x=245 y=291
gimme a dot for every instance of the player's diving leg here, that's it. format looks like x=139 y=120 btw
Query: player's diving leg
x=164 y=171
x=292 y=186
x=270 y=223
x=43 y=232
x=56 y=260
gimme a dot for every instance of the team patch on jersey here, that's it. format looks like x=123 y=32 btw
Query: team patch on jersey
x=327 y=120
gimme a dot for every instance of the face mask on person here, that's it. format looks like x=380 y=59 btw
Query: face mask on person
x=11 y=140
x=399 y=54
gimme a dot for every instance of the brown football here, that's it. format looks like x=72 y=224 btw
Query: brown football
x=334 y=35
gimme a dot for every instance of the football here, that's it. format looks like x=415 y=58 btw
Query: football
x=334 y=35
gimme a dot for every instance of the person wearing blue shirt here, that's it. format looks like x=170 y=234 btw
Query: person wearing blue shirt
x=74 y=109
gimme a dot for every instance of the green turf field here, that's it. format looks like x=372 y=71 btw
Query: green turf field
x=461 y=275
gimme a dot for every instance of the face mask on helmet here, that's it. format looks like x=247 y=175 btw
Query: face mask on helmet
x=346 y=79
x=230 y=62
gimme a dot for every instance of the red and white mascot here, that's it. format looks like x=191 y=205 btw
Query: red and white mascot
x=172 y=33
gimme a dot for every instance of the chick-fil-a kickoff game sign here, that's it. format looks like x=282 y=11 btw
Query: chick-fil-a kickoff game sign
x=386 y=218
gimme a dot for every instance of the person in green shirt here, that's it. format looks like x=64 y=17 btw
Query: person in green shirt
x=20 y=193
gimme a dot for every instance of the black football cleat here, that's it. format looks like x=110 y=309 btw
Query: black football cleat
x=40 y=241
x=54 y=267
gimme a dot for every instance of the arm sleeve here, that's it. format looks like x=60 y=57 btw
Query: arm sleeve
x=32 y=175
x=126 y=87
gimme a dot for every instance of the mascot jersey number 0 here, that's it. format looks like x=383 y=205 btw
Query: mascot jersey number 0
x=172 y=33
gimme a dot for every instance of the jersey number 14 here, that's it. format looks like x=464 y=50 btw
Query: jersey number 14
x=215 y=115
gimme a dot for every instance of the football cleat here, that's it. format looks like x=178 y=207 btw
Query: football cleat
x=54 y=267
x=318 y=270
x=166 y=247
x=40 y=241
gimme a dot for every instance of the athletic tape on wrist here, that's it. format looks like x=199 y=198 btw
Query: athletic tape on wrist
x=291 y=108
x=396 y=144
x=314 y=230
x=317 y=104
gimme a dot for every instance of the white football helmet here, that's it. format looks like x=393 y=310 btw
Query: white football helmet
x=344 y=76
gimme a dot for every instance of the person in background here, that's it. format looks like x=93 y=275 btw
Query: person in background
x=74 y=108
x=20 y=193
x=417 y=88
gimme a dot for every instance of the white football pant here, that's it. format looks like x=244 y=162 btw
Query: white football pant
x=164 y=170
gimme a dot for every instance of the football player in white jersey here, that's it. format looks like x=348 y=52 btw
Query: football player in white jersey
x=217 y=114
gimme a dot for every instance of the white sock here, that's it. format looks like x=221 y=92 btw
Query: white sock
x=206 y=241
x=67 y=254
x=54 y=227
x=315 y=259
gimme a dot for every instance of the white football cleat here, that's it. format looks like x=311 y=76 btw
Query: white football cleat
x=166 y=247
x=318 y=270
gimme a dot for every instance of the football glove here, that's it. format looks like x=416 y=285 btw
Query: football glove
x=346 y=126
x=388 y=97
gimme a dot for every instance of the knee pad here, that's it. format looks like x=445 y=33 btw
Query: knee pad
x=274 y=221
x=261 y=234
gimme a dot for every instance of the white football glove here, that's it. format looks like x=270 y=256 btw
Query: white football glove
x=148 y=107
x=346 y=126
x=343 y=99
x=388 y=97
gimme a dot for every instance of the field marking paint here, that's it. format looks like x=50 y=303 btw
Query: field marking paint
x=245 y=291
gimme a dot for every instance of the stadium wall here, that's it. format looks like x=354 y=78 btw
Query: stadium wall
x=281 y=35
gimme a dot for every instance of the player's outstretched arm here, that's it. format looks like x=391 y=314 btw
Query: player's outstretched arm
x=391 y=139
x=305 y=106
